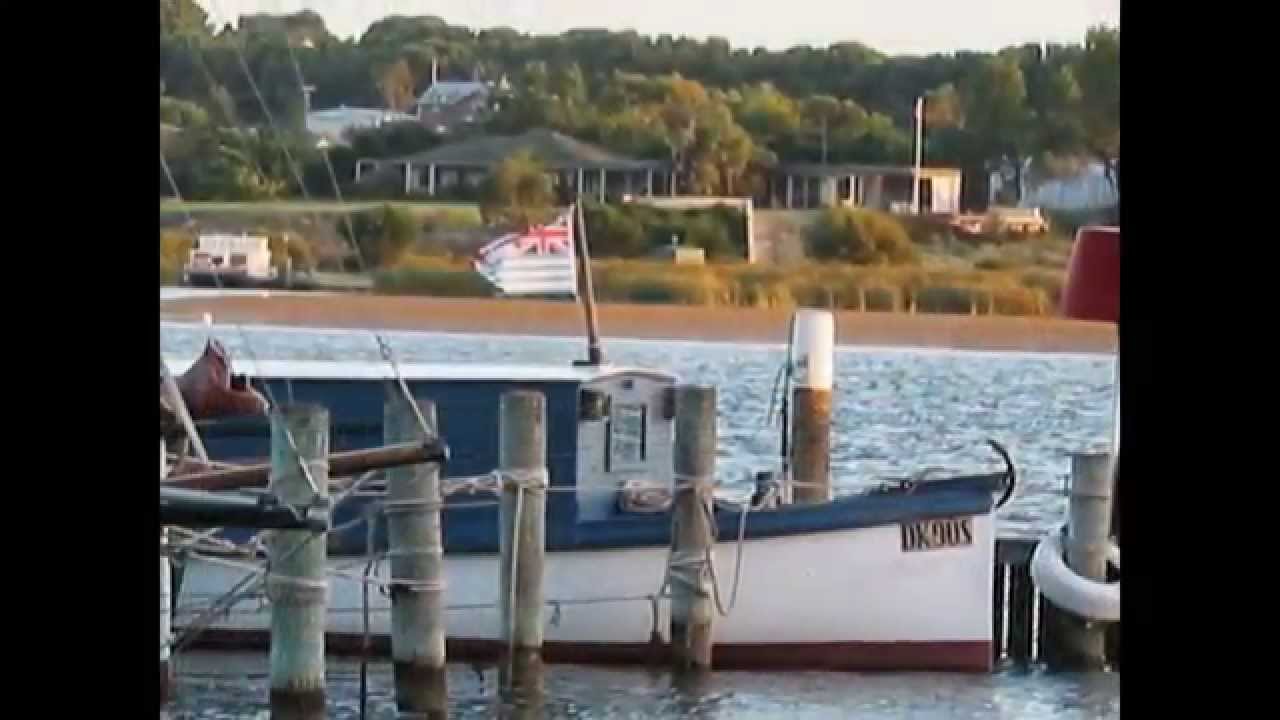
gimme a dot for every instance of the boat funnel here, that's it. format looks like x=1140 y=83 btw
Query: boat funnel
x=1092 y=290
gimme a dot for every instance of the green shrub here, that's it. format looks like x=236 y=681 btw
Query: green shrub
x=383 y=235
x=1014 y=300
x=175 y=247
x=292 y=245
x=947 y=299
x=882 y=299
x=614 y=233
x=994 y=262
x=861 y=237
x=1046 y=281
x=433 y=282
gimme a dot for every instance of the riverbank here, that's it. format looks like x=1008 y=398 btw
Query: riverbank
x=674 y=322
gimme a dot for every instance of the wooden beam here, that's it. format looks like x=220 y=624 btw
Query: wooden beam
x=341 y=464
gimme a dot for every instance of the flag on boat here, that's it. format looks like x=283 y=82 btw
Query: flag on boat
x=537 y=261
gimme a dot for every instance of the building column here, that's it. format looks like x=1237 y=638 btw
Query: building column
x=648 y=183
x=626 y=183
x=359 y=167
x=671 y=186
x=602 y=184
x=789 y=192
x=431 y=180
x=578 y=189
x=408 y=178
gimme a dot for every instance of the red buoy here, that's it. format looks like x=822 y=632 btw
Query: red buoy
x=1092 y=290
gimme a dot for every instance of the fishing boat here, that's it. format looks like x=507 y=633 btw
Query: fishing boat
x=895 y=578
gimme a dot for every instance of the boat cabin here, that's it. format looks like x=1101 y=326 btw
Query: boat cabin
x=607 y=427
x=243 y=255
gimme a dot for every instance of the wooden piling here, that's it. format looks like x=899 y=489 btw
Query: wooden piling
x=166 y=616
x=522 y=532
x=1022 y=592
x=416 y=553
x=1081 y=644
x=296 y=585
x=997 y=611
x=814 y=348
x=693 y=535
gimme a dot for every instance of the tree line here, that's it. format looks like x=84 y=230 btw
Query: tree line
x=720 y=115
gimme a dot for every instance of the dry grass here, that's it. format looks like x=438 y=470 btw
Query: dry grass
x=522 y=317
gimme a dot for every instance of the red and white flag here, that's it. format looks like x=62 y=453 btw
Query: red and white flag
x=538 y=261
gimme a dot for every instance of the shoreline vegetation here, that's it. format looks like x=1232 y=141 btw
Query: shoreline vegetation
x=650 y=322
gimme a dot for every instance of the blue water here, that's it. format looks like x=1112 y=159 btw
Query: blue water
x=896 y=413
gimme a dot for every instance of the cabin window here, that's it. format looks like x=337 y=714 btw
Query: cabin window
x=627 y=436
x=239 y=260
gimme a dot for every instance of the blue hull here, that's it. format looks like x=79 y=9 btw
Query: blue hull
x=468 y=415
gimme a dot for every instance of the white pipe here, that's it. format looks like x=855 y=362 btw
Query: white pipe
x=165 y=600
x=813 y=349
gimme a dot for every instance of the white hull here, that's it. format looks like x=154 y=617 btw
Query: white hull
x=853 y=596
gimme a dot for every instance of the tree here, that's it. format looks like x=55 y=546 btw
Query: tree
x=517 y=194
x=183 y=17
x=182 y=113
x=998 y=119
x=396 y=84
x=382 y=235
x=1098 y=73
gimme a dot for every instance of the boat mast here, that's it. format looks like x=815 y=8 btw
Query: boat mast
x=595 y=354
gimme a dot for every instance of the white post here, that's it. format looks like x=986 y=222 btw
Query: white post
x=915 y=173
x=297 y=585
x=408 y=178
x=359 y=167
x=602 y=184
x=648 y=183
x=578 y=189
x=789 y=192
x=166 y=675
x=416 y=555
x=813 y=360
x=431 y=180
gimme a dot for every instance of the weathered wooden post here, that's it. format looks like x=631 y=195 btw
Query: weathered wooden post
x=166 y=615
x=1078 y=642
x=296 y=585
x=1022 y=595
x=813 y=358
x=693 y=534
x=416 y=553
x=522 y=532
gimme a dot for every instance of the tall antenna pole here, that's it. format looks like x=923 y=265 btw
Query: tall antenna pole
x=595 y=355
x=915 y=173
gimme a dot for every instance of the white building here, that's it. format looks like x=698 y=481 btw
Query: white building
x=333 y=124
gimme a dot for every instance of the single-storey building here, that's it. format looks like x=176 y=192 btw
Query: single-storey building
x=878 y=187
x=573 y=165
x=333 y=124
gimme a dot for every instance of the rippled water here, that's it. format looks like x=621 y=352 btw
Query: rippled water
x=897 y=412
x=224 y=686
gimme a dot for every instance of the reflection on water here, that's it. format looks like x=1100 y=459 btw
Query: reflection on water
x=215 y=686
